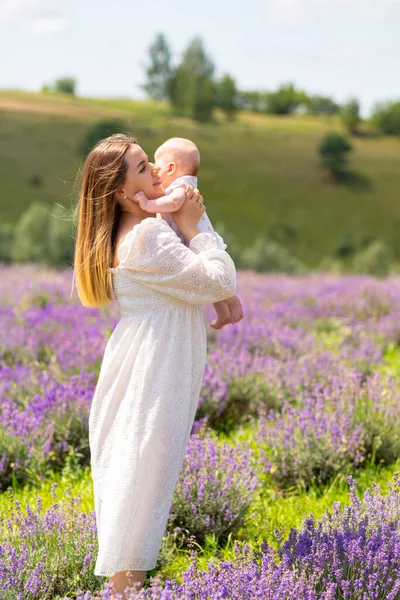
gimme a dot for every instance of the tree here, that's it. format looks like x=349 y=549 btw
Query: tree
x=333 y=150
x=350 y=114
x=227 y=96
x=266 y=255
x=322 y=105
x=65 y=85
x=252 y=101
x=98 y=131
x=31 y=242
x=376 y=260
x=386 y=117
x=191 y=88
x=6 y=242
x=285 y=100
x=159 y=71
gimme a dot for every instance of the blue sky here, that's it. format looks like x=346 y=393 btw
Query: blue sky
x=340 y=48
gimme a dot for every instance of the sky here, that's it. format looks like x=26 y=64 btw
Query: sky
x=339 y=48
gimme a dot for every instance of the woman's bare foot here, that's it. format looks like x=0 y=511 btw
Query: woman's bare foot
x=123 y=579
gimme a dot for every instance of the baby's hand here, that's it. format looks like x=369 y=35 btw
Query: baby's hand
x=141 y=199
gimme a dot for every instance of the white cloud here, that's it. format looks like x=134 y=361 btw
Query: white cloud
x=38 y=17
x=300 y=10
x=287 y=10
x=11 y=10
x=369 y=9
x=51 y=24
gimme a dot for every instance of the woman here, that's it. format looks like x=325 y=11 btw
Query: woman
x=149 y=383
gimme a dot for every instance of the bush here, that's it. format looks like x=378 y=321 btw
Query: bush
x=215 y=488
x=61 y=238
x=376 y=260
x=65 y=85
x=346 y=245
x=43 y=235
x=6 y=242
x=380 y=419
x=31 y=243
x=386 y=117
x=350 y=115
x=333 y=151
x=351 y=550
x=269 y=256
x=98 y=131
x=233 y=248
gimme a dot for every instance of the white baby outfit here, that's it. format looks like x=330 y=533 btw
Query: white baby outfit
x=148 y=388
x=204 y=225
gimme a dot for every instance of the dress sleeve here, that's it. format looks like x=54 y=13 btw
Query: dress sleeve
x=199 y=274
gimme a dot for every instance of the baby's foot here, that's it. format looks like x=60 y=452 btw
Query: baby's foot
x=223 y=315
x=235 y=309
x=141 y=198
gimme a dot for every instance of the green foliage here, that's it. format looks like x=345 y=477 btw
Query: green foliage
x=285 y=100
x=233 y=248
x=350 y=115
x=6 y=242
x=386 y=117
x=255 y=171
x=382 y=435
x=346 y=245
x=191 y=88
x=98 y=131
x=243 y=398
x=218 y=514
x=322 y=105
x=269 y=256
x=333 y=150
x=65 y=85
x=252 y=101
x=61 y=237
x=159 y=71
x=44 y=236
x=15 y=454
x=227 y=96
x=31 y=242
x=376 y=260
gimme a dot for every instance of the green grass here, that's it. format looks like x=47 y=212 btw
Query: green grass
x=259 y=175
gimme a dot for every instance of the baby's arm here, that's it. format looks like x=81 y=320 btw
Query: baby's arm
x=169 y=203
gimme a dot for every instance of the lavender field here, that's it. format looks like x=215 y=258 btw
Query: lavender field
x=289 y=488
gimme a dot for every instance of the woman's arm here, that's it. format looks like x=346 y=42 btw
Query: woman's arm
x=199 y=274
x=169 y=203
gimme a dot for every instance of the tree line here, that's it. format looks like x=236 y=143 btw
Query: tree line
x=193 y=91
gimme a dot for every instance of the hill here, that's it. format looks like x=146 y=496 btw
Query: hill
x=259 y=175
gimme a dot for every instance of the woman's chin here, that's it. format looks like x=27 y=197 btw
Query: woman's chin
x=158 y=190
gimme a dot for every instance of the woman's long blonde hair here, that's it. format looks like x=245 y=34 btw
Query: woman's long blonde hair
x=104 y=172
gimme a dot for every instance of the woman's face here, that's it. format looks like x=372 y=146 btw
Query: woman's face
x=142 y=176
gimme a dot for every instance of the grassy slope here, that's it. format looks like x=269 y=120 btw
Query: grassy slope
x=259 y=174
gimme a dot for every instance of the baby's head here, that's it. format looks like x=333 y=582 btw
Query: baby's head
x=176 y=157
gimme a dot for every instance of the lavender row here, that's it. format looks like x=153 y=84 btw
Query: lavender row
x=319 y=409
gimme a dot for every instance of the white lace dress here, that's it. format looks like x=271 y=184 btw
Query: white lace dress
x=148 y=388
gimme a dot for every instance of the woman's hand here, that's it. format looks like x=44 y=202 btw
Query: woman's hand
x=188 y=216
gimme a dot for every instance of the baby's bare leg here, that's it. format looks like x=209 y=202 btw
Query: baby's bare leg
x=223 y=315
x=235 y=309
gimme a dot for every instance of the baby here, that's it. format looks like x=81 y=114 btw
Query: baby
x=178 y=160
